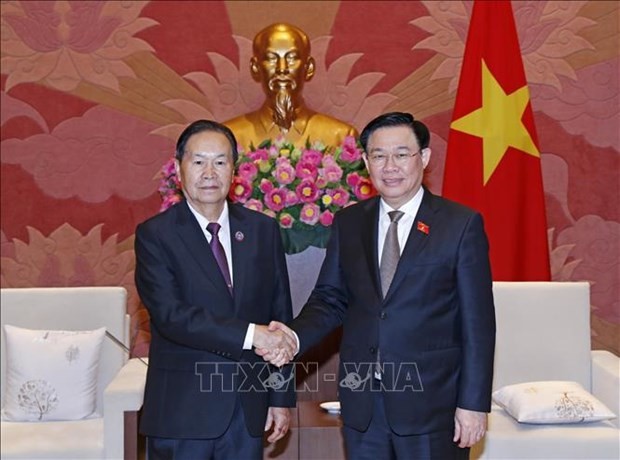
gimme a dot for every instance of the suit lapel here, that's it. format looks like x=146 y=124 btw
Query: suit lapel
x=242 y=242
x=369 y=233
x=415 y=242
x=193 y=237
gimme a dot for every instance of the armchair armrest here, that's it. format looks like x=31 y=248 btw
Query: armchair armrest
x=606 y=380
x=124 y=393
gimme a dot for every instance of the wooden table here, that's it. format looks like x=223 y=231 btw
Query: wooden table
x=320 y=433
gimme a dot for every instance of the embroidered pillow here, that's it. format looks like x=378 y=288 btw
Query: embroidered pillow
x=51 y=375
x=551 y=402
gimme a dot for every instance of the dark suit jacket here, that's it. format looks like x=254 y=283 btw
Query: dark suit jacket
x=197 y=368
x=435 y=328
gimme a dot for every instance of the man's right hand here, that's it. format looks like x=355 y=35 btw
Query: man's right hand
x=275 y=343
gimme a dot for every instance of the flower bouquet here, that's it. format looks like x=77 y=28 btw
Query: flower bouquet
x=301 y=188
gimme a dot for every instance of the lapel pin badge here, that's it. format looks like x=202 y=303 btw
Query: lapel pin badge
x=239 y=236
x=422 y=227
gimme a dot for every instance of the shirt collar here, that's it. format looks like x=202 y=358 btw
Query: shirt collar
x=203 y=221
x=409 y=208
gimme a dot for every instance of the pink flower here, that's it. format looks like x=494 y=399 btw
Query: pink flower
x=353 y=179
x=169 y=168
x=258 y=155
x=331 y=172
x=340 y=196
x=307 y=191
x=321 y=182
x=286 y=220
x=275 y=199
x=284 y=172
x=248 y=171
x=306 y=170
x=309 y=214
x=273 y=152
x=170 y=200
x=265 y=185
x=326 y=218
x=313 y=157
x=254 y=205
x=291 y=198
x=350 y=153
x=284 y=178
x=240 y=190
x=176 y=181
x=364 y=189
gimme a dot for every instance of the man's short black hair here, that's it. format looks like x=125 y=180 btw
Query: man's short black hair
x=390 y=119
x=205 y=125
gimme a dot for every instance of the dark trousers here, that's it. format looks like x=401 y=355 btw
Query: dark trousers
x=379 y=442
x=236 y=443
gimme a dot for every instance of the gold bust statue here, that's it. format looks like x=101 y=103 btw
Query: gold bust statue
x=282 y=63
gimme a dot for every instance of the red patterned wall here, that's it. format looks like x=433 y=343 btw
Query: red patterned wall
x=94 y=94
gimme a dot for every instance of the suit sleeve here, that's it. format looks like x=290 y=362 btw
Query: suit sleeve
x=180 y=322
x=477 y=312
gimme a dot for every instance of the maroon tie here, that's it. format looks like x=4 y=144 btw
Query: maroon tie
x=218 y=251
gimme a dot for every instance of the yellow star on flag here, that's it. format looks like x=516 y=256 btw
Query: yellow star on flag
x=498 y=122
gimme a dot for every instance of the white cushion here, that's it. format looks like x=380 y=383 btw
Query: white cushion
x=53 y=440
x=507 y=439
x=51 y=375
x=551 y=402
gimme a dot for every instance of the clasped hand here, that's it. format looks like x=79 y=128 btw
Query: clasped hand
x=275 y=343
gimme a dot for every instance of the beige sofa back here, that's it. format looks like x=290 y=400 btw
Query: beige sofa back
x=80 y=308
x=543 y=332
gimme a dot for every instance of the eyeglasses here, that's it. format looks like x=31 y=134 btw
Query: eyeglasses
x=400 y=158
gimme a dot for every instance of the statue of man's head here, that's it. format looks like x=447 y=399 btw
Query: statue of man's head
x=282 y=64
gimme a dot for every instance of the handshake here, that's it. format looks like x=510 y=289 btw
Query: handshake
x=275 y=343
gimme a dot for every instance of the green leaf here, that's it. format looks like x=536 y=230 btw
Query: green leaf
x=296 y=240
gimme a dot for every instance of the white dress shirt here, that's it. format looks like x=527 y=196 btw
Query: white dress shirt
x=224 y=237
x=405 y=224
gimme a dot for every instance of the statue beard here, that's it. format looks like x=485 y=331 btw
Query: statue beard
x=284 y=111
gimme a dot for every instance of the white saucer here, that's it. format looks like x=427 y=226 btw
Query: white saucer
x=333 y=407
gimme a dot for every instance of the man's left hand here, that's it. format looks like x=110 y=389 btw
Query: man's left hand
x=469 y=426
x=280 y=418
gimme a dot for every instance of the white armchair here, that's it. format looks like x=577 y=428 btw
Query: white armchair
x=543 y=333
x=120 y=384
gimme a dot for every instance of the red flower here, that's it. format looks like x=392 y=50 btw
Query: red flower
x=240 y=190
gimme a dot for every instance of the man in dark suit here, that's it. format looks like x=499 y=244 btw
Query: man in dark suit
x=210 y=274
x=407 y=275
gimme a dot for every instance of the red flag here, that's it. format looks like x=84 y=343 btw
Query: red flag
x=493 y=160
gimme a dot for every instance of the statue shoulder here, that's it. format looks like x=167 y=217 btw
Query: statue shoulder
x=323 y=120
x=329 y=130
x=245 y=130
x=240 y=122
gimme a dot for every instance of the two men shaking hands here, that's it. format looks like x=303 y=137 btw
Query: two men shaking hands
x=275 y=343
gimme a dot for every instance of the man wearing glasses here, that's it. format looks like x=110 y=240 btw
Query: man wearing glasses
x=407 y=275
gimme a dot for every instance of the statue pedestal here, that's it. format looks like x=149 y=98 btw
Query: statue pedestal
x=303 y=271
x=317 y=369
